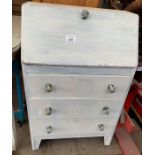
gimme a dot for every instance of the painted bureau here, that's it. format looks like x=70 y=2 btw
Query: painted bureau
x=78 y=64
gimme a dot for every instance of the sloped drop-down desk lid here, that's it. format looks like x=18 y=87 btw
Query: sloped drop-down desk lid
x=57 y=35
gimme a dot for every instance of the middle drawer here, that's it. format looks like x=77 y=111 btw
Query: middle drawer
x=60 y=109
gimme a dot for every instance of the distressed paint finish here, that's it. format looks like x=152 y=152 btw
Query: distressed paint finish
x=77 y=86
x=106 y=38
x=80 y=59
x=70 y=108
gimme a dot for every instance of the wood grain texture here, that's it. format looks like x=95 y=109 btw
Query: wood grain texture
x=19 y=2
x=87 y=3
x=16 y=6
x=106 y=38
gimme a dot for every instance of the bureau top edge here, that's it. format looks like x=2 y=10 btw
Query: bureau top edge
x=83 y=65
x=79 y=70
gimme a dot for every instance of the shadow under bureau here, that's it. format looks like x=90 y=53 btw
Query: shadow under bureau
x=78 y=64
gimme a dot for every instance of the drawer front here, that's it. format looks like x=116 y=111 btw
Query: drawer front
x=76 y=86
x=72 y=127
x=60 y=109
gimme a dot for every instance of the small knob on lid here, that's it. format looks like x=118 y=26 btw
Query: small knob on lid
x=84 y=14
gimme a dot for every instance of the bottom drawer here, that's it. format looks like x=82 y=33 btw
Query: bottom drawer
x=69 y=128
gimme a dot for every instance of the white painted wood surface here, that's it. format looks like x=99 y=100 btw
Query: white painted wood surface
x=106 y=38
x=76 y=86
x=77 y=70
x=75 y=127
x=75 y=108
x=71 y=128
x=103 y=50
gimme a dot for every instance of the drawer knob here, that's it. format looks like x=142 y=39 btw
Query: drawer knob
x=101 y=127
x=111 y=88
x=106 y=110
x=48 y=111
x=84 y=14
x=48 y=129
x=48 y=87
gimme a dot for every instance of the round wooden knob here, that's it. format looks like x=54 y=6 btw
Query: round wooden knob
x=48 y=87
x=106 y=110
x=48 y=111
x=84 y=14
x=49 y=129
x=101 y=127
x=111 y=88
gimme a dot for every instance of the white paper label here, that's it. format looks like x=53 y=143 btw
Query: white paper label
x=70 y=38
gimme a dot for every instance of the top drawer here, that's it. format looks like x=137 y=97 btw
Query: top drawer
x=76 y=86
